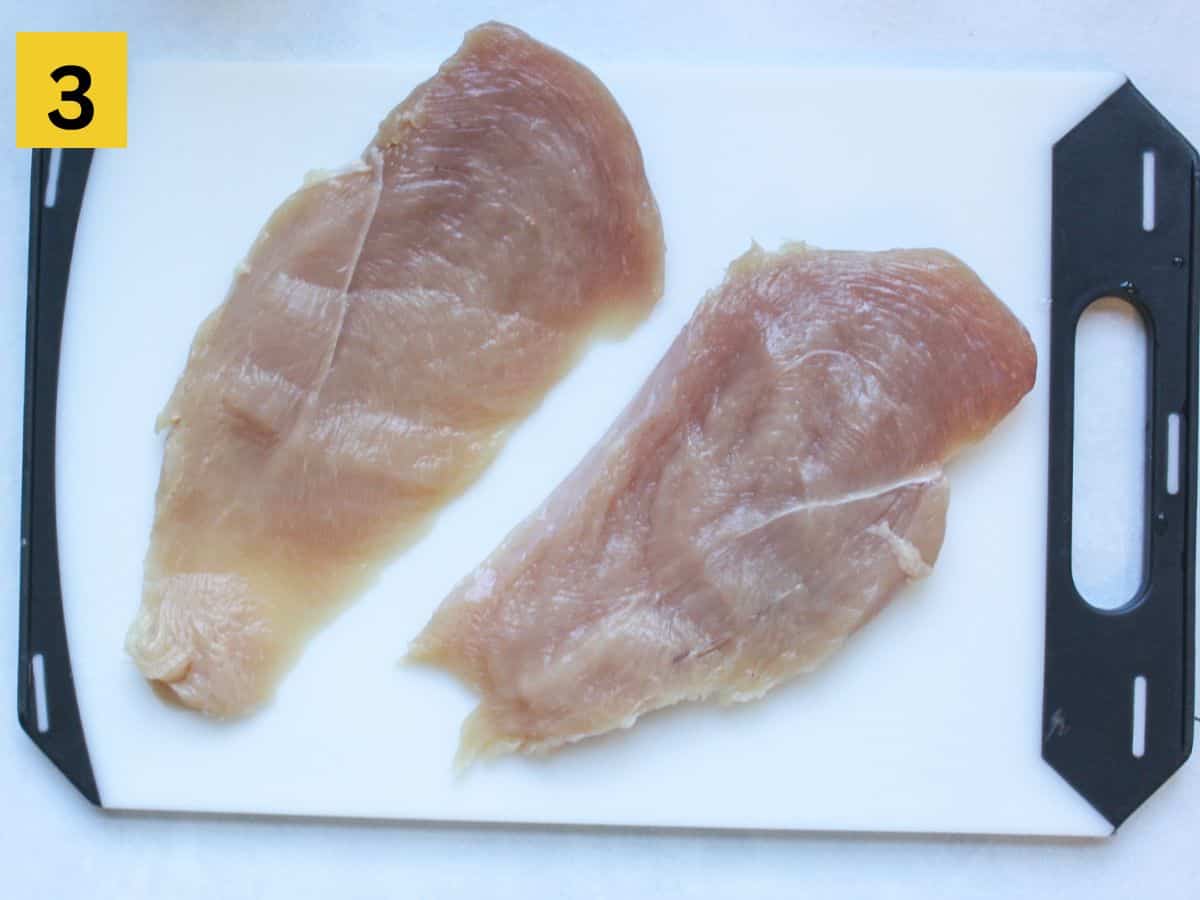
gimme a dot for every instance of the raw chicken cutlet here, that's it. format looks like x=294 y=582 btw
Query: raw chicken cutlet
x=773 y=484
x=390 y=325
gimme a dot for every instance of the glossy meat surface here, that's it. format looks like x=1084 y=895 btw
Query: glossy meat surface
x=390 y=324
x=773 y=484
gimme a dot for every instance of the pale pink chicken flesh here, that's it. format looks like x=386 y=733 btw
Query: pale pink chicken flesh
x=391 y=323
x=771 y=486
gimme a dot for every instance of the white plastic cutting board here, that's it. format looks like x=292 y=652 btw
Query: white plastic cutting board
x=927 y=721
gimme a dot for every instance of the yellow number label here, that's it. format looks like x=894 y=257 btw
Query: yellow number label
x=71 y=88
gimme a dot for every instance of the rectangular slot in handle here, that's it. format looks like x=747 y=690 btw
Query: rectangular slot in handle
x=1138 y=747
x=1173 y=454
x=50 y=195
x=1149 y=188
x=37 y=667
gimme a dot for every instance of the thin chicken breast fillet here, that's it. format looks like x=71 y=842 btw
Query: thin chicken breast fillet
x=391 y=323
x=768 y=490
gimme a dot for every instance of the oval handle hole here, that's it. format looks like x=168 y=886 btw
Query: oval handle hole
x=1108 y=501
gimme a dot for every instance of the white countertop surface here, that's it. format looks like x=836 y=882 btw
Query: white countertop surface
x=53 y=844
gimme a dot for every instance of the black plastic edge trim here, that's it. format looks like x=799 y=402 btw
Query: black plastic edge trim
x=42 y=628
x=1100 y=249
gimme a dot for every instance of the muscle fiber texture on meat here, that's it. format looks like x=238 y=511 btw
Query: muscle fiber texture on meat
x=390 y=325
x=773 y=484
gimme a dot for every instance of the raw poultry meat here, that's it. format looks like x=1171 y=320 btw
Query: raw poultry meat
x=391 y=323
x=768 y=490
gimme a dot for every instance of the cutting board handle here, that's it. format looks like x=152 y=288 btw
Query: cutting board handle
x=1104 y=668
x=46 y=704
